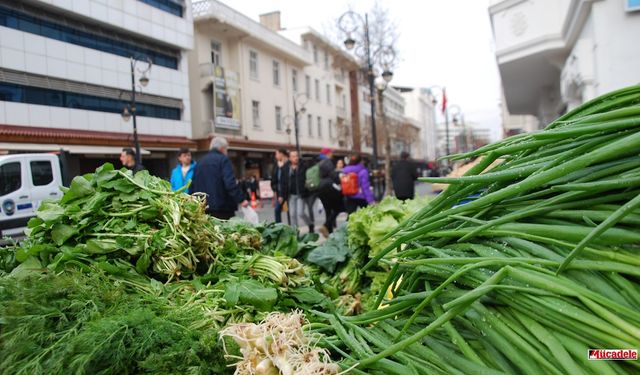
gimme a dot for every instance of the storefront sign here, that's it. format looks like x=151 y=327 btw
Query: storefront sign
x=265 y=190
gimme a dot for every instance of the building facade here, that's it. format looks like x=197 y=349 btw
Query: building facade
x=262 y=70
x=555 y=55
x=65 y=78
x=420 y=108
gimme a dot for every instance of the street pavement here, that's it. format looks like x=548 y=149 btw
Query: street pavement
x=266 y=212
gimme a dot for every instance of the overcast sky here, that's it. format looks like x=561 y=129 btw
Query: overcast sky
x=446 y=43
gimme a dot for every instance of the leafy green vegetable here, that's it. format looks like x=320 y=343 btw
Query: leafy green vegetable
x=79 y=323
x=331 y=252
x=250 y=292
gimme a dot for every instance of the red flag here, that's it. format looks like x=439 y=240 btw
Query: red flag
x=444 y=100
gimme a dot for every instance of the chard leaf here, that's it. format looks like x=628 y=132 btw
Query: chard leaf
x=61 y=232
x=332 y=252
x=251 y=292
x=80 y=187
x=104 y=173
x=49 y=212
x=122 y=185
x=308 y=295
x=101 y=246
x=143 y=262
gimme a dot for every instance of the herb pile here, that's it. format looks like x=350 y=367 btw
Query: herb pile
x=122 y=275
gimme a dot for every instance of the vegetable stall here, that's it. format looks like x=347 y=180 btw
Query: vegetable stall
x=522 y=265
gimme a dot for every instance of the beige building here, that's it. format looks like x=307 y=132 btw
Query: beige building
x=245 y=77
x=326 y=83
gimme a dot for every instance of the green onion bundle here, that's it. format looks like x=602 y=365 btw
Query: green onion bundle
x=540 y=266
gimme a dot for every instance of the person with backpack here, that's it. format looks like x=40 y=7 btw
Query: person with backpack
x=355 y=185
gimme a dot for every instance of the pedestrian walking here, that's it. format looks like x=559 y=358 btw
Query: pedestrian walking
x=182 y=174
x=280 y=182
x=355 y=185
x=298 y=194
x=214 y=176
x=128 y=160
x=404 y=176
x=329 y=191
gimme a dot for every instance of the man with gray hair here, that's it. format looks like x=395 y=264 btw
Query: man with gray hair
x=214 y=176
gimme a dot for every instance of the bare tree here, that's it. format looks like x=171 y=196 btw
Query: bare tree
x=382 y=50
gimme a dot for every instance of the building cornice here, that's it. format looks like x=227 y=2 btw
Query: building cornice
x=212 y=10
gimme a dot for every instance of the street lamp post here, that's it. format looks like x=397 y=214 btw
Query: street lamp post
x=130 y=110
x=299 y=100
x=348 y=23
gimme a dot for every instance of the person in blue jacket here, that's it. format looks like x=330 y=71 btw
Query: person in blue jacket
x=214 y=176
x=183 y=172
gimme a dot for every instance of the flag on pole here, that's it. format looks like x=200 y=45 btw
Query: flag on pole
x=444 y=100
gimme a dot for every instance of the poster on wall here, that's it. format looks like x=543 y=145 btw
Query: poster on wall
x=226 y=99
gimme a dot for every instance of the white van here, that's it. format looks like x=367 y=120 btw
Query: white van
x=25 y=181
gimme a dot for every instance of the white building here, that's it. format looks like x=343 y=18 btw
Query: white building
x=463 y=137
x=420 y=108
x=65 y=78
x=556 y=54
x=264 y=70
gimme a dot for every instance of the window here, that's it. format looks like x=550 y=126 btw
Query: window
x=55 y=98
x=319 y=127
x=328 y=94
x=326 y=59
x=317 y=90
x=41 y=172
x=255 y=111
x=294 y=80
x=11 y=178
x=310 y=125
x=215 y=53
x=278 y=118
x=75 y=32
x=344 y=101
x=169 y=6
x=315 y=54
x=330 y=126
x=276 y=73
x=253 y=64
x=307 y=86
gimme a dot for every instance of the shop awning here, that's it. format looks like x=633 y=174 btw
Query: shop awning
x=72 y=149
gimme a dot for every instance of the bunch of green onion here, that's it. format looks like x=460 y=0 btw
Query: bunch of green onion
x=528 y=276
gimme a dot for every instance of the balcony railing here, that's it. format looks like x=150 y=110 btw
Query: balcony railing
x=341 y=112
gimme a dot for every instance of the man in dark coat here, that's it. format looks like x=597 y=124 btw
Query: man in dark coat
x=280 y=182
x=404 y=175
x=214 y=176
